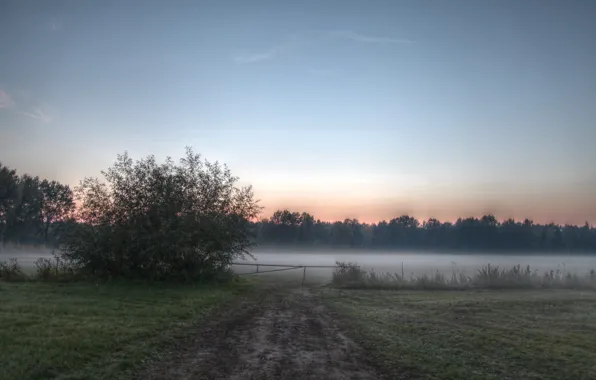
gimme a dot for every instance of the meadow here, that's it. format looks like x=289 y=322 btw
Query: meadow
x=89 y=330
x=506 y=334
x=496 y=323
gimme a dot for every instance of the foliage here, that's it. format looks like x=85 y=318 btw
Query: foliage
x=11 y=271
x=57 y=205
x=54 y=269
x=406 y=232
x=32 y=210
x=24 y=217
x=160 y=221
x=350 y=275
x=8 y=193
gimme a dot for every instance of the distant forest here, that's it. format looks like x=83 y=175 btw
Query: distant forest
x=32 y=210
x=36 y=211
x=406 y=232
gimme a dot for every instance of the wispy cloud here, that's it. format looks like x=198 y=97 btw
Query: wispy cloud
x=357 y=37
x=258 y=56
x=314 y=36
x=5 y=100
x=40 y=112
x=43 y=114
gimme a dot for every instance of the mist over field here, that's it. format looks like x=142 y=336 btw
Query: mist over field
x=418 y=263
x=26 y=255
x=414 y=263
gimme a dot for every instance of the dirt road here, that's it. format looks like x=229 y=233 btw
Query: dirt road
x=286 y=334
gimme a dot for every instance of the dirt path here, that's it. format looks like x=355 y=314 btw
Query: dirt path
x=286 y=334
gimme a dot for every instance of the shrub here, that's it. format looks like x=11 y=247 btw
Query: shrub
x=54 y=270
x=154 y=221
x=491 y=276
x=11 y=271
x=347 y=274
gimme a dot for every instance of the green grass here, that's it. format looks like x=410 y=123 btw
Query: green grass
x=89 y=331
x=538 y=334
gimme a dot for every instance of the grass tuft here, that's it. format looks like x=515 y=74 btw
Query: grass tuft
x=55 y=270
x=350 y=275
x=12 y=271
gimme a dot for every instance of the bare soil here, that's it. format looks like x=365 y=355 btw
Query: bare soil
x=283 y=334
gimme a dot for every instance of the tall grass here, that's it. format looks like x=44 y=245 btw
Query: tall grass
x=350 y=275
x=54 y=269
x=11 y=271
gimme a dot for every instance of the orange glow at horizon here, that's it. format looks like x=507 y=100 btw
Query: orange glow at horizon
x=560 y=209
x=328 y=201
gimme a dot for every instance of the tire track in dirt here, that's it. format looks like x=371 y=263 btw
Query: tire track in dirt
x=283 y=335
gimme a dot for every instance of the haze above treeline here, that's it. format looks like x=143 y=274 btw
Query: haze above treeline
x=41 y=208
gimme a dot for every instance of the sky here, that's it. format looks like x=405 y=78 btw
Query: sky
x=344 y=109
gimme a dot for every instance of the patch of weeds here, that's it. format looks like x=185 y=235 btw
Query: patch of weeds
x=12 y=271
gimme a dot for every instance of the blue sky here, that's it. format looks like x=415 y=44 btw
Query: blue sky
x=342 y=108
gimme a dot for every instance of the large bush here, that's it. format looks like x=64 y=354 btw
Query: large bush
x=160 y=221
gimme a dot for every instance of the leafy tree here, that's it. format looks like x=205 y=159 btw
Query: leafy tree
x=286 y=225
x=161 y=221
x=8 y=193
x=307 y=226
x=23 y=218
x=57 y=204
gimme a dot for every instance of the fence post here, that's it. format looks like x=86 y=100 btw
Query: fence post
x=257 y=268
x=303 y=276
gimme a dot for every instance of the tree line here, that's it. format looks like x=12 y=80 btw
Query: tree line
x=32 y=210
x=40 y=211
x=406 y=232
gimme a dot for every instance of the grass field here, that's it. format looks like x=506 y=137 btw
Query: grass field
x=542 y=334
x=89 y=331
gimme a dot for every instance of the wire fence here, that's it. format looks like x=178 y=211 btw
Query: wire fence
x=282 y=268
